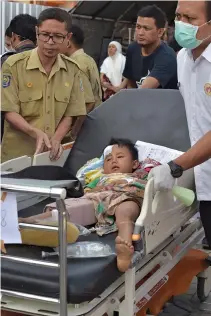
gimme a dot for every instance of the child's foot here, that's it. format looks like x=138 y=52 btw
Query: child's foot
x=125 y=252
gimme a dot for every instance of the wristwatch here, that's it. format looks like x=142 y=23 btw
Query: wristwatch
x=176 y=170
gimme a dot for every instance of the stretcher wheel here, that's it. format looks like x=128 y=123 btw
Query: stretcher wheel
x=204 y=286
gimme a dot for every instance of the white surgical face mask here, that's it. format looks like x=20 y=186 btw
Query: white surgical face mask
x=186 y=34
x=7 y=50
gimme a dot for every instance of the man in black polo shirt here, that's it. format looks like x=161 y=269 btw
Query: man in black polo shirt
x=150 y=63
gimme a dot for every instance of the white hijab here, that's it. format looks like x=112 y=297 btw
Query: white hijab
x=113 y=67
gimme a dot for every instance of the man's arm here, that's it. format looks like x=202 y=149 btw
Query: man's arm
x=75 y=108
x=11 y=107
x=197 y=154
x=150 y=83
x=164 y=70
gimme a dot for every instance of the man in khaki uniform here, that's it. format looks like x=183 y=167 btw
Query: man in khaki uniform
x=41 y=92
x=86 y=63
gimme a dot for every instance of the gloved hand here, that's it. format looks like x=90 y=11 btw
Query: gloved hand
x=163 y=179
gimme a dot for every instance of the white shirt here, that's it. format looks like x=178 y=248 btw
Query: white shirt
x=194 y=79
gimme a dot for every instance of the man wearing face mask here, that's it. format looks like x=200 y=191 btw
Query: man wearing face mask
x=193 y=33
x=20 y=36
x=23 y=35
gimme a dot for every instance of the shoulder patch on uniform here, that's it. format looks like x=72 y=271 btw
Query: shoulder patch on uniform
x=81 y=85
x=12 y=60
x=6 y=79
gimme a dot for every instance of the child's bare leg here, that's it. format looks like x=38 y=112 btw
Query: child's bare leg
x=38 y=217
x=126 y=214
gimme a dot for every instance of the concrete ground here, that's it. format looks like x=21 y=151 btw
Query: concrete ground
x=188 y=304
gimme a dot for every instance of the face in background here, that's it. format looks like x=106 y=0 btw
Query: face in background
x=112 y=50
x=65 y=47
x=195 y=13
x=7 y=43
x=120 y=160
x=147 y=32
x=51 y=46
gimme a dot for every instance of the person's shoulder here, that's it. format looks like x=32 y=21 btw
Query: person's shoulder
x=16 y=58
x=89 y=59
x=166 y=49
x=181 y=54
x=70 y=62
x=134 y=46
x=164 y=52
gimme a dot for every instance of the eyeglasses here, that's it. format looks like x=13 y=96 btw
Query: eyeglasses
x=56 y=38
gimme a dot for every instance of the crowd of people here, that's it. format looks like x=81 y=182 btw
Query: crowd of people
x=49 y=84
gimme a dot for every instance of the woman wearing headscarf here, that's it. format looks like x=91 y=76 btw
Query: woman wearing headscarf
x=112 y=69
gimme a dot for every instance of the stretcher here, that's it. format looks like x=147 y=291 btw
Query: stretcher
x=164 y=262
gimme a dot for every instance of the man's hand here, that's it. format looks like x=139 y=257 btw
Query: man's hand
x=42 y=140
x=163 y=179
x=56 y=149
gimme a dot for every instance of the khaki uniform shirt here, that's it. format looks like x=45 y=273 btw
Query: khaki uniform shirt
x=89 y=67
x=41 y=99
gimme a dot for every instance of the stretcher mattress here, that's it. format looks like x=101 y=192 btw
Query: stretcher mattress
x=155 y=116
x=87 y=278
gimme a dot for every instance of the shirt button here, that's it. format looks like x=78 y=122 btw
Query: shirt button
x=48 y=112
x=48 y=96
x=30 y=99
x=47 y=128
x=66 y=99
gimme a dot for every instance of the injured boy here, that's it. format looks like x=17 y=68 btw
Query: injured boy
x=114 y=198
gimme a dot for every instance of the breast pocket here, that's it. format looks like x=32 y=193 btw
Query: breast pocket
x=62 y=99
x=31 y=103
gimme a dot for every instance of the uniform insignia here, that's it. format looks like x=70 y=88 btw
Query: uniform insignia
x=6 y=81
x=66 y=84
x=81 y=85
x=207 y=89
x=29 y=84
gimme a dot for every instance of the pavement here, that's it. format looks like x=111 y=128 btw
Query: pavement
x=188 y=304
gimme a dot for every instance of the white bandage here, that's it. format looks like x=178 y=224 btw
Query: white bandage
x=107 y=151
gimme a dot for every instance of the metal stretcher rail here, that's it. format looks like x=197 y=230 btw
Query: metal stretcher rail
x=59 y=194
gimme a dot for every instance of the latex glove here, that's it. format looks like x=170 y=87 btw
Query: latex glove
x=163 y=179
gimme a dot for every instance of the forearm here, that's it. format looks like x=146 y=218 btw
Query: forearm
x=18 y=122
x=63 y=128
x=131 y=84
x=124 y=83
x=197 y=154
x=150 y=83
x=77 y=126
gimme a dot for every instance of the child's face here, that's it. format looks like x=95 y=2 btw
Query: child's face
x=119 y=161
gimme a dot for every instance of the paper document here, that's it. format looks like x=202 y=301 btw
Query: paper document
x=159 y=153
x=10 y=233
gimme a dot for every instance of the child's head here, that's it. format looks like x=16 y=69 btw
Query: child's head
x=121 y=156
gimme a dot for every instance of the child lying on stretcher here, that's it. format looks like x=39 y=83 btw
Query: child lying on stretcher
x=115 y=197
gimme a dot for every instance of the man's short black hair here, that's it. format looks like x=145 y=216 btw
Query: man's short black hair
x=24 y=26
x=8 y=32
x=153 y=11
x=57 y=14
x=122 y=142
x=78 y=36
x=208 y=9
